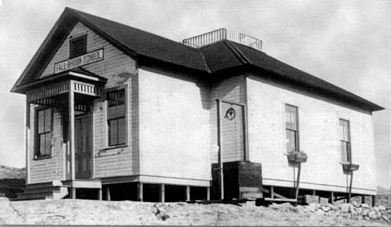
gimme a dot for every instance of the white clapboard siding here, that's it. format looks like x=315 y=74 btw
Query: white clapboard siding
x=231 y=89
x=49 y=169
x=319 y=138
x=120 y=70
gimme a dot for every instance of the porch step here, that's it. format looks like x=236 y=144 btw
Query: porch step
x=49 y=190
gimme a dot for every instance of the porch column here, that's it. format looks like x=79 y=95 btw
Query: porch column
x=27 y=142
x=71 y=128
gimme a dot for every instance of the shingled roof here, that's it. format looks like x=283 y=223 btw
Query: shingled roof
x=206 y=61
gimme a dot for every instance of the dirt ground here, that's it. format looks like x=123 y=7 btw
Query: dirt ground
x=144 y=213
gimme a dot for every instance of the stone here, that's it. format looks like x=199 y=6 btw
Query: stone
x=381 y=208
x=311 y=199
x=385 y=218
x=365 y=212
x=323 y=200
x=355 y=204
x=312 y=207
x=364 y=205
x=319 y=212
x=345 y=207
x=325 y=208
x=372 y=214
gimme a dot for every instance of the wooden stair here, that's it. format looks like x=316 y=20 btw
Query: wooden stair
x=50 y=190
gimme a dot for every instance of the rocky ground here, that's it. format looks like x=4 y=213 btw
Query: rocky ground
x=140 y=213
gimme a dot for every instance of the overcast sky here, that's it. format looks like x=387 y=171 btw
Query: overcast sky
x=347 y=43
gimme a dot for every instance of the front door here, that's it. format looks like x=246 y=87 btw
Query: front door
x=83 y=152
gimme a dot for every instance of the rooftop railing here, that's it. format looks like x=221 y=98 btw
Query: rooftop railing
x=221 y=34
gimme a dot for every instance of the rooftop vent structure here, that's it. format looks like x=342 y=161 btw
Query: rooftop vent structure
x=221 y=34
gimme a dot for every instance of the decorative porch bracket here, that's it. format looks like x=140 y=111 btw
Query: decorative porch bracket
x=44 y=94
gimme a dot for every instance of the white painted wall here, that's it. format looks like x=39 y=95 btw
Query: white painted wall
x=174 y=128
x=319 y=138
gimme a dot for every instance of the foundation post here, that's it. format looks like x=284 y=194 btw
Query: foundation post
x=108 y=196
x=207 y=193
x=140 y=191
x=73 y=193
x=187 y=193
x=331 y=197
x=272 y=192
x=373 y=200
x=100 y=194
x=162 y=193
x=363 y=199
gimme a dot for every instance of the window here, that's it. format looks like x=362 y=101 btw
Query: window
x=116 y=117
x=291 y=128
x=346 y=155
x=43 y=132
x=78 y=46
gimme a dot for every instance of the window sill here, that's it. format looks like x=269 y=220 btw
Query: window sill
x=42 y=157
x=110 y=151
x=114 y=147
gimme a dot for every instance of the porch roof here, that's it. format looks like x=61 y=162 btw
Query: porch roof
x=76 y=80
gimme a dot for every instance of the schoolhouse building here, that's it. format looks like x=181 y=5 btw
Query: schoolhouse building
x=114 y=112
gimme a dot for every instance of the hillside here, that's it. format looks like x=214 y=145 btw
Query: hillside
x=7 y=172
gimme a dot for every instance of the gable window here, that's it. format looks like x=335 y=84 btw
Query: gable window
x=43 y=133
x=291 y=128
x=78 y=46
x=345 y=146
x=116 y=117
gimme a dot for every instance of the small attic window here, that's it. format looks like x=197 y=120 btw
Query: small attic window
x=77 y=46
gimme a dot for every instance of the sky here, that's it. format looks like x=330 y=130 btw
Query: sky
x=347 y=43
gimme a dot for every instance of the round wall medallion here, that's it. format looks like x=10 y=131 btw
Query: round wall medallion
x=230 y=114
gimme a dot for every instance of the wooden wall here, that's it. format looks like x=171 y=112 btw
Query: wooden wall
x=120 y=70
x=231 y=89
x=48 y=169
x=174 y=129
x=319 y=138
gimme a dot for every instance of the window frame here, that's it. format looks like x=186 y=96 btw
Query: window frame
x=71 y=45
x=116 y=119
x=295 y=131
x=37 y=134
x=347 y=142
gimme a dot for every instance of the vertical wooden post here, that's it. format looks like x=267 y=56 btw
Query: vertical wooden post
x=373 y=200
x=108 y=195
x=331 y=197
x=220 y=152
x=313 y=192
x=363 y=199
x=27 y=142
x=350 y=186
x=207 y=193
x=298 y=181
x=272 y=192
x=99 y=193
x=71 y=128
x=73 y=192
x=187 y=193
x=162 y=193
x=140 y=192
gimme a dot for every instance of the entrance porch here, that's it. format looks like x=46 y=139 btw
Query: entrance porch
x=70 y=95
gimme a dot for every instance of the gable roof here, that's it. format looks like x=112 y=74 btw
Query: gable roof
x=208 y=60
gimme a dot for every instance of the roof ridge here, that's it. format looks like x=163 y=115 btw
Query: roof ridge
x=238 y=53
